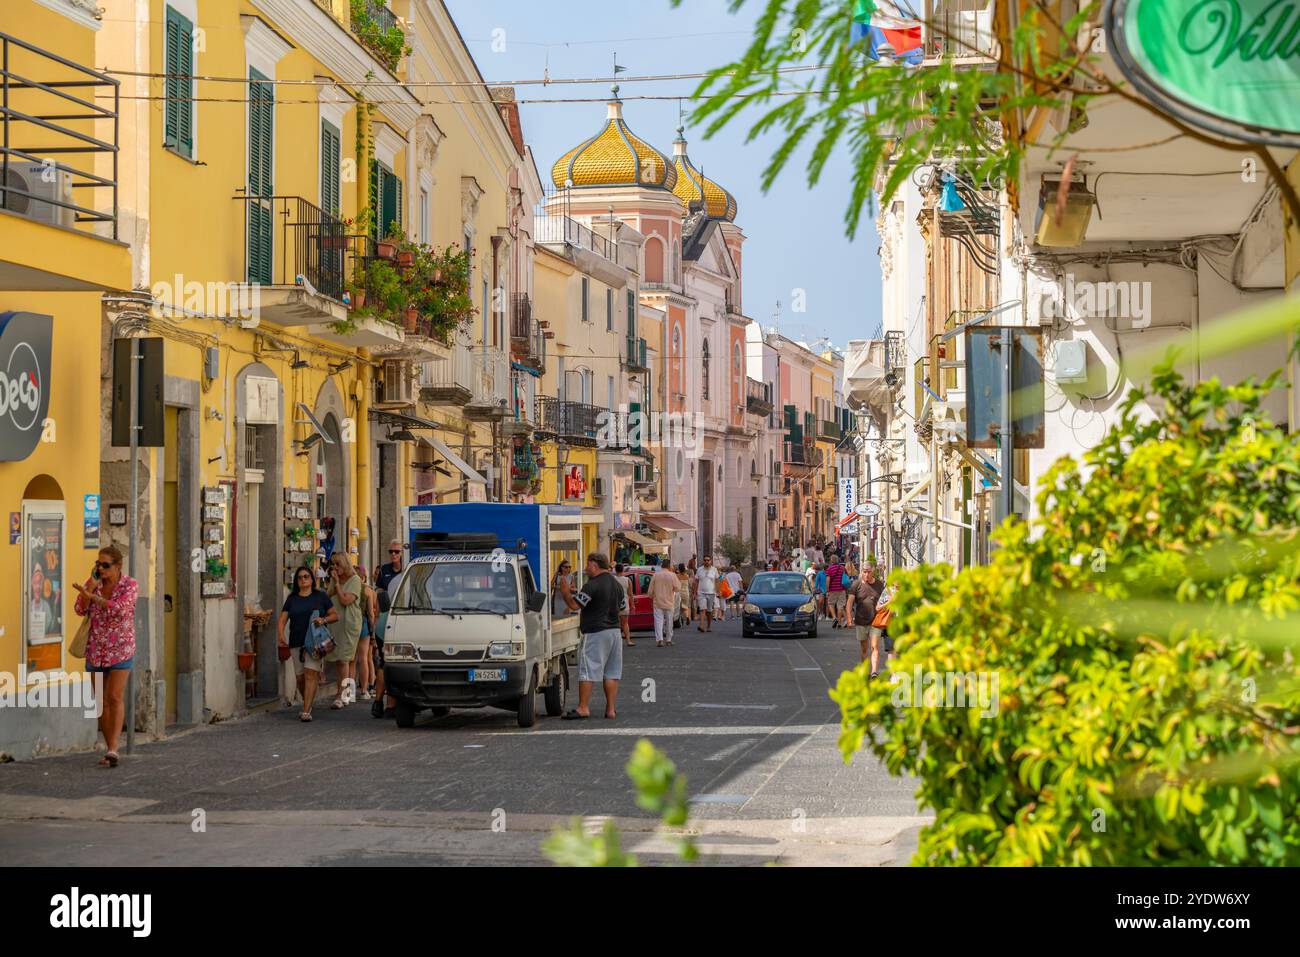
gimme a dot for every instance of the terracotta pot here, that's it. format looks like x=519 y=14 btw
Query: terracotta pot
x=359 y=300
x=412 y=319
x=246 y=661
x=405 y=257
x=385 y=250
x=437 y=274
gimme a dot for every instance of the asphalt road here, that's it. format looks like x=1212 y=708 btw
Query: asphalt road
x=747 y=721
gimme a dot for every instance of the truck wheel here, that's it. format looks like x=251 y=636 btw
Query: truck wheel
x=405 y=713
x=557 y=692
x=528 y=703
x=440 y=711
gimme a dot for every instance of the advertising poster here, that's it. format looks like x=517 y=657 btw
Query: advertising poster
x=15 y=527
x=45 y=577
x=90 y=532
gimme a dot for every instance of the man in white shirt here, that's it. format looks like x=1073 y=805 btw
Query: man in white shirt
x=737 y=585
x=665 y=591
x=706 y=577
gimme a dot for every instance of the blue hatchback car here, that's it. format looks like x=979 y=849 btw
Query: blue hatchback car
x=779 y=603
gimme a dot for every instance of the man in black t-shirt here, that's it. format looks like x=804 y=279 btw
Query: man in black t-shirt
x=603 y=607
x=386 y=573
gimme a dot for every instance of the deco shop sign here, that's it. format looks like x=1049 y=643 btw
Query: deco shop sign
x=24 y=382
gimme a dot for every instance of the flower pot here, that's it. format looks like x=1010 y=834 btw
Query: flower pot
x=437 y=274
x=385 y=250
x=405 y=257
x=359 y=299
x=412 y=318
x=246 y=661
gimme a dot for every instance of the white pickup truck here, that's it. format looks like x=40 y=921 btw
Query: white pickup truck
x=470 y=623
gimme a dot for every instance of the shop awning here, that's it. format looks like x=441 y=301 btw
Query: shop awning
x=666 y=523
x=441 y=447
x=645 y=541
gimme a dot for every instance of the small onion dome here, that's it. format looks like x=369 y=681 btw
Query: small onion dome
x=614 y=157
x=695 y=190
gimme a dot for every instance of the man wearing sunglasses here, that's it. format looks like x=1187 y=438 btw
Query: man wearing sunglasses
x=386 y=573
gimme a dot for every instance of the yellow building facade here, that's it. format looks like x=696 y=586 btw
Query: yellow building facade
x=59 y=259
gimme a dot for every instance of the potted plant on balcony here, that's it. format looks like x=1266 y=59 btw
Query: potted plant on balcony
x=442 y=293
x=386 y=248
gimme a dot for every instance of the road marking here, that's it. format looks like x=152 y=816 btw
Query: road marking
x=805 y=669
x=796 y=730
x=720 y=799
x=730 y=750
x=737 y=707
x=756 y=647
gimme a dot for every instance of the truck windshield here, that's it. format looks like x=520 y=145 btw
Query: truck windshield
x=468 y=587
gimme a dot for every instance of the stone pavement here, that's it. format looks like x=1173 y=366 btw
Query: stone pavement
x=748 y=722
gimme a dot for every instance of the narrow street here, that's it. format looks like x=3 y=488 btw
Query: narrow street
x=747 y=721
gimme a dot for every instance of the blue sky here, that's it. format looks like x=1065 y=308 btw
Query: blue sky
x=795 y=235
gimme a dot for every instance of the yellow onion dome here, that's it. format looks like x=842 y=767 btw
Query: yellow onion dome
x=614 y=157
x=695 y=190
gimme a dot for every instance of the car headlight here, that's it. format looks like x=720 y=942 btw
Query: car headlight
x=399 y=651
x=499 y=649
x=808 y=608
x=752 y=609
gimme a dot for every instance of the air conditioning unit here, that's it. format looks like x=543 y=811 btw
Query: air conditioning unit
x=42 y=182
x=598 y=488
x=397 y=384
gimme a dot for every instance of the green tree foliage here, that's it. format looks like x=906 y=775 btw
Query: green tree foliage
x=736 y=549
x=1143 y=638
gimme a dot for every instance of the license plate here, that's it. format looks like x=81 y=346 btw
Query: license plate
x=780 y=617
x=487 y=674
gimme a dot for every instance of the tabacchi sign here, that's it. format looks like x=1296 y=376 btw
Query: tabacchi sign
x=24 y=381
x=1229 y=66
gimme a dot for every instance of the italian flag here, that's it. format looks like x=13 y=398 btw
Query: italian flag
x=888 y=31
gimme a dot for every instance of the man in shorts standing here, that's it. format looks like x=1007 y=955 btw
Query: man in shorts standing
x=603 y=608
x=707 y=590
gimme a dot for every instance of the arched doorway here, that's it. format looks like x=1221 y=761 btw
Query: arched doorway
x=43 y=538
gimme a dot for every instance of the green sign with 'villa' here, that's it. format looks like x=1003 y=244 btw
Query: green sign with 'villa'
x=1234 y=60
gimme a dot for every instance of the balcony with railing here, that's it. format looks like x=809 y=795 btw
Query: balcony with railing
x=829 y=430
x=800 y=456
x=378 y=30
x=951 y=29
x=521 y=417
x=575 y=422
x=554 y=226
x=58 y=167
x=777 y=485
x=758 y=397
x=527 y=337
x=489 y=384
x=447 y=382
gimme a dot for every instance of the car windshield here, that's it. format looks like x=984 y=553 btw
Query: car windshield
x=779 y=585
x=469 y=587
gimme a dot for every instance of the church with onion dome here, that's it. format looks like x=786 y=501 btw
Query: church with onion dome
x=689 y=278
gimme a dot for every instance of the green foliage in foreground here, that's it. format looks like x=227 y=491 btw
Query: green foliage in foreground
x=1149 y=704
x=659 y=790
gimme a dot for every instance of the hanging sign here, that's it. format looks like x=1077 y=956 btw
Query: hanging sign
x=90 y=529
x=1229 y=66
x=848 y=496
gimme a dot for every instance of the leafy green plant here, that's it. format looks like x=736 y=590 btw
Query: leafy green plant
x=661 y=790
x=1147 y=702
x=216 y=568
x=388 y=44
x=735 y=548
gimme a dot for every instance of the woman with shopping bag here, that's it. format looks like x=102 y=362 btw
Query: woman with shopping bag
x=307 y=612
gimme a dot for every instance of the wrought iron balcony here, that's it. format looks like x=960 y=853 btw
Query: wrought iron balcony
x=962 y=34
x=758 y=397
x=527 y=337
x=287 y=238
x=575 y=422
x=370 y=20
x=490 y=386
x=56 y=167
x=801 y=455
x=827 y=429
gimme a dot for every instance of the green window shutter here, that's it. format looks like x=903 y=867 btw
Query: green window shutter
x=609 y=309
x=387 y=191
x=330 y=139
x=261 y=114
x=790 y=418
x=631 y=314
x=586 y=289
x=374 y=198
x=178 y=62
x=401 y=220
x=259 y=243
x=632 y=409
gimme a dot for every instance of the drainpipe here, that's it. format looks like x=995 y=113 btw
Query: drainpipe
x=365 y=482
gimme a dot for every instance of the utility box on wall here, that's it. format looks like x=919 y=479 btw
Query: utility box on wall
x=1071 y=362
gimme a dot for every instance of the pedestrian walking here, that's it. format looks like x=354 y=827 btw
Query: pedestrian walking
x=382 y=706
x=706 y=589
x=304 y=606
x=603 y=609
x=108 y=599
x=384 y=574
x=346 y=592
x=665 y=592
x=684 y=596
x=862 y=597
x=819 y=589
x=835 y=595
x=562 y=590
x=620 y=572
x=362 y=667
x=881 y=644
x=735 y=592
